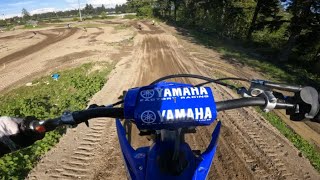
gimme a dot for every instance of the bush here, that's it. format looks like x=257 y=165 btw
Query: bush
x=103 y=15
x=29 y=26
x=96 y=17
x=109 y=17
x=130 y=16
x=145 y=11
x=55 y=20
x=75 y=19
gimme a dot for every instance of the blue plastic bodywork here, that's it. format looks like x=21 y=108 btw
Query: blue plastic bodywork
x=142 y=163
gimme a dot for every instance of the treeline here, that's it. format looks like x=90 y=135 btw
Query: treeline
x=282 y=30
x=88 y=10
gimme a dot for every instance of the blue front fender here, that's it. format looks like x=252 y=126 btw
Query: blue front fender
x=207 y=156
x=136 y=160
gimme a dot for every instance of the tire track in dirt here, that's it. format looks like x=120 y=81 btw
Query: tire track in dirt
x=51 y=38
x=77 y=165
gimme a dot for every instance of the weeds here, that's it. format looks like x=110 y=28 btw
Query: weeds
x=47 y=99
x=33 y=27
x=130 y=16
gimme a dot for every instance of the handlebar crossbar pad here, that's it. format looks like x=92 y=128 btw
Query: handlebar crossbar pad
x=170 y=106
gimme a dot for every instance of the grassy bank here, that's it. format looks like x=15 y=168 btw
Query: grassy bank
x=307 y=149
x=45 y=99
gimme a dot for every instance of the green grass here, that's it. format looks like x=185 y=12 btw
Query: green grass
x=8 y=28
x=91 y=25
x=108 y=17
x=33 y=27
x=130 y=16
x=307 y=149
x=47 y=99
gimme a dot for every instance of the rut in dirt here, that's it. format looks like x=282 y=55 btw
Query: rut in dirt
x=50 y=39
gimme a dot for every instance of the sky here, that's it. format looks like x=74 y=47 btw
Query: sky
x=10 y=8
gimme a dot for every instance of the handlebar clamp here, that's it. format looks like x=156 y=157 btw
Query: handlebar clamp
x=271 y=101
x=258 y=89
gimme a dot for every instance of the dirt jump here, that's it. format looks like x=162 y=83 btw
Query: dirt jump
x=249 y=147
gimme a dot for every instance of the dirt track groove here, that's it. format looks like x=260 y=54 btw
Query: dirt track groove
x=77 y=165
x=249 y=147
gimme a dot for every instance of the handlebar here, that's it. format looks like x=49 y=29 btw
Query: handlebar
x=78 y=117
x=304 y=103
x=252 y=101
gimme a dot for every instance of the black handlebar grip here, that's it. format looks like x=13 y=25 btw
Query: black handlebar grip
x=28 y=135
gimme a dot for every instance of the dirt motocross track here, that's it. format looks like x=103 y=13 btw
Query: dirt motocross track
x=59 y=34
x=248 y=148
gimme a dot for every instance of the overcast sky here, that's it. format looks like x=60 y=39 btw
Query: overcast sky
x=10 y=8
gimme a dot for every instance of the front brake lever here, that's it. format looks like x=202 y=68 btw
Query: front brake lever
x=273 y=85
x=243 y=92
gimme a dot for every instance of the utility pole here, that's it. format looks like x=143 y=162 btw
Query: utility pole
x=56 y=14
x=79 y=10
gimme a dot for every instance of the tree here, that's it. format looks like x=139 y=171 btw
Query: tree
x=117 y=8
x=266 y=9
x=142 y=8
x=305 y=21
x=89 y=9
x=103 y=15
x=101 y=9
x=25 y=14
x=3 y=23
x=176 y=4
